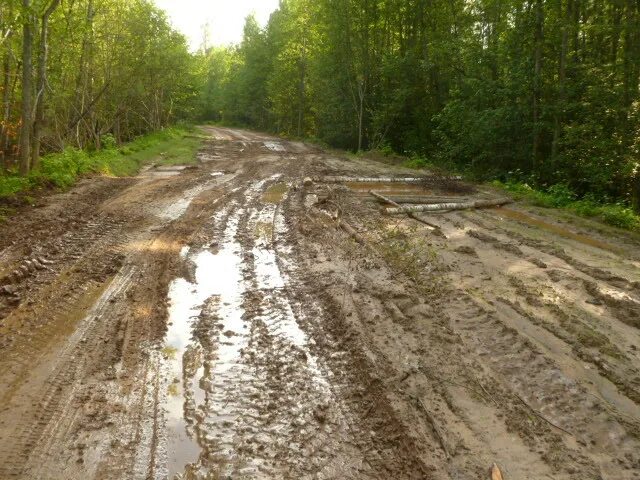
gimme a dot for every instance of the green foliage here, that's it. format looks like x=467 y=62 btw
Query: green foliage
x=560 y=196
x=11 y=185
x=114 y=66
x=417 y=163
x=456 y=82
x=109 y=142
x=62 y=169
x=171 y=146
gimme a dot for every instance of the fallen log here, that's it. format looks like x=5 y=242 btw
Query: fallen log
x=426 y=200
x=339 y=179
x=351 y=231
x=384 y=199
x=437 y=207
x=411 y=215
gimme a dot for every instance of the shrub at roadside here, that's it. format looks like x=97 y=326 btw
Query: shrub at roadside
x=61 y=170
x=560 y=196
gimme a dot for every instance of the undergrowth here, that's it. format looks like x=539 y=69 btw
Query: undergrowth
x=171 y=146
x=410 y=254
x=560 y=196
x=557 y=196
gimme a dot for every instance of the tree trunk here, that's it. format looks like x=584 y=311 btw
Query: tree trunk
x=302 y=87
x=635 y=193
x=438 y=207
x=562 y=69
x=6 y=106
x=537 y=81
x=6 y=88
x=42 y=84
x=27 y=85
x=82 y=80
x=360 y=117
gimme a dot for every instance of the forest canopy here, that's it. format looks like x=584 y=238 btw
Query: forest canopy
x=539 y=91
x=544 y=92
x=84 y=72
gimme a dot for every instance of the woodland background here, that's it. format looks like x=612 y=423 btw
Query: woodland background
x=543 y=93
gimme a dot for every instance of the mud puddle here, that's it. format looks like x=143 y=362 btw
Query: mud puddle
x=275 y=193
x=218 y=288
x=274 y=146
x=226 y=408
x=389 y=188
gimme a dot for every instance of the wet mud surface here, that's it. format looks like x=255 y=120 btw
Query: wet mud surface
x=217 y=322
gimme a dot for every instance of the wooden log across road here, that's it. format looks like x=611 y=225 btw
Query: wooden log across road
x=409 y=214
x=449 y=206
x=383 y=179
x=425 y=200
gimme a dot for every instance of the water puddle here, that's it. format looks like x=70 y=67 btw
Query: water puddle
x=388 y=188
x=164 y=171
x=274 y=146
x=264 y=231
x=549 y=227
x=218 y=287
x=206 y=157
x=177 y=208
x=279 y=315
x=241 y=375
x=275 y=193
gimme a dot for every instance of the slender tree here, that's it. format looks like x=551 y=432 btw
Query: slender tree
x=27 y=88
x=42 y=83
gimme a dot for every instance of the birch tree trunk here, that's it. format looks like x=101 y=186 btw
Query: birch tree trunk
x=6 y=105
x=27 y=86
x=42 y=84
x=6 y=84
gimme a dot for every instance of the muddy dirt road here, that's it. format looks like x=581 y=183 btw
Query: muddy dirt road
x=215 y=322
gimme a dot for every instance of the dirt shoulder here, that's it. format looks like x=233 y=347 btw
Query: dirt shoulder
x=216 y=321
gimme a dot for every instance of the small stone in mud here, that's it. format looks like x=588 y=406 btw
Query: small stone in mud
x=229 y=334
x=310 y=200
x=320 y=414
x=594 y=301
x=466 y=250
x=307 y=182
x=15 y=300
x=8 y=289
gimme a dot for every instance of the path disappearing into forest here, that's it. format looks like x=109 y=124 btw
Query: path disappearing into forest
x=215 y=322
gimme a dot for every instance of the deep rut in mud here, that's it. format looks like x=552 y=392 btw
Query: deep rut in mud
x=216 y=322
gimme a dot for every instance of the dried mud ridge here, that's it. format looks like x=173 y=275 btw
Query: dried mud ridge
x=216 y=322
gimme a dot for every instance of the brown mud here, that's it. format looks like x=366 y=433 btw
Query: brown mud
x=216 y=322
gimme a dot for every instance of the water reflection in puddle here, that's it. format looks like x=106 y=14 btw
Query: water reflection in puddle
x=275 y=193
x=176 y=208
x=269 y=278
x=229 y=329
x=217 y=276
